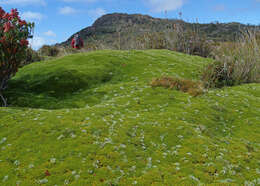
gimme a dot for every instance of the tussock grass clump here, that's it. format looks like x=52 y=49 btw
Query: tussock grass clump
x=154 y=40
x=236 y=63
x=48 y=50
x=188 y=86
x=191 y=41
x=178 y=38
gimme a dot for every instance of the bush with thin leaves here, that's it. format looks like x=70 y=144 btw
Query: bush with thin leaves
x=236 y=63
x=191 y=41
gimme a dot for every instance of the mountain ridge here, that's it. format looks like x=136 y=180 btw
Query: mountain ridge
x=114 y=28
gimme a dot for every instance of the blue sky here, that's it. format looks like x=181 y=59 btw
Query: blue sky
x=56 y=20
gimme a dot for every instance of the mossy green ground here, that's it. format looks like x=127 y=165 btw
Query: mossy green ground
x=93 y=119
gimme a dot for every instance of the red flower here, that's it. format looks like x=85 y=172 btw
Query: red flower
x=14 y=13
x=24 y=42
x=6 y=16
x=7 y=26
x=22 y=22
x=47 y=173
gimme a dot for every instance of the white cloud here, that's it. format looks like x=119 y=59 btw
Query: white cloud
x=23 y=2
x=32 y=15
x=67 y=10
x=164 y=5
x=95 y=13
x=37 y=42
x=50 y=33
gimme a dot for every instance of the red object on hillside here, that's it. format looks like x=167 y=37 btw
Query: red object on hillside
x=47 y=173
x=75 y=45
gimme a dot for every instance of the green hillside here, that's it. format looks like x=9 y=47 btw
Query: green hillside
x=94 y=119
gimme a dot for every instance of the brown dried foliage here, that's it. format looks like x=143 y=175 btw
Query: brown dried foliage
x=191 y=87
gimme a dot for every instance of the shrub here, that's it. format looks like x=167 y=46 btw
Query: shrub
x=14 y=33
x=178 y=38
x=236 y=63
x=47 y=50
x=31 y=56
x=191 y=41
x=154 y=40
x=192 y=87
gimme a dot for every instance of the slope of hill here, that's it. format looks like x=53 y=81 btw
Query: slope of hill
x=111 y=29
x=93 y=119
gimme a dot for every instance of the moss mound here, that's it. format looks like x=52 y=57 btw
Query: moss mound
x=101 y=123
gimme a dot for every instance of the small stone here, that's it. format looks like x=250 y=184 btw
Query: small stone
x=30 y=166
x=43 y=181
x=60 y=137
x=134 y=182
x=5 y=178
x=3 y=140
x=53 y=160
x=66 y=182
x=16 y=162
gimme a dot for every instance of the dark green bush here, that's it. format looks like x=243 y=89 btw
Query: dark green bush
x=31 y=56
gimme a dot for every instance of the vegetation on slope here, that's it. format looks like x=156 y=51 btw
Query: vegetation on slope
x=123 y=31
x=236 y=63
x=93 y=119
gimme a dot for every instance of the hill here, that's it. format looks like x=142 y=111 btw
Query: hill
x=124 y=31
x=93 y=119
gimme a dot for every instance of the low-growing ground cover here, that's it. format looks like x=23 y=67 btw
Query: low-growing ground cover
x=94 y=119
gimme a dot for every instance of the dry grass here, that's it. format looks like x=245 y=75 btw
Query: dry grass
x=236 y=63
x=178 y=38
x=191 y=41
x=191 y=87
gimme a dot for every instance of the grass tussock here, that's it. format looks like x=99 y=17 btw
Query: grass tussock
x=187 y=86
x=47 y=50
x=178 y=38
x=236 y=63
x=191 y=41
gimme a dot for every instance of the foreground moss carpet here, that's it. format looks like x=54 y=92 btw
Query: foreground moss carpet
x=93 y=119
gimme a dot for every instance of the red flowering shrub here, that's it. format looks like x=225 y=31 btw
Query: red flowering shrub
x=14 y=33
